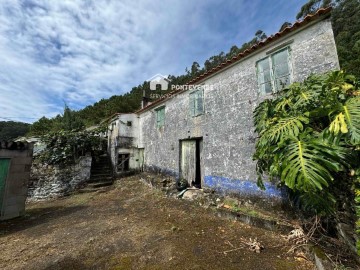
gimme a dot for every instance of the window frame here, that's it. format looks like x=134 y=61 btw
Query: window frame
x=273 y=78
x=193 y=102
x=160 y=122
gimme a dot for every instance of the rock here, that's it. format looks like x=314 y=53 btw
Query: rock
x=347 y=235
x=248 y=204
x=192 y=194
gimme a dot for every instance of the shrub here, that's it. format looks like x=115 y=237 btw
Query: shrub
x=309 y=139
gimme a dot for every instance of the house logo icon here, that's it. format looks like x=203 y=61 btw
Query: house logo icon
x=159 y=79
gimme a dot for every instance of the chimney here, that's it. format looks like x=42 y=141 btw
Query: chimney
x=145 y=100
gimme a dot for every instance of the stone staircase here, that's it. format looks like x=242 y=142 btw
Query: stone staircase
x=101 y=173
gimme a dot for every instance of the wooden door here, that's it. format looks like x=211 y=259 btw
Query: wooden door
x=4 y=167
x=188 y=160
x=141 y=159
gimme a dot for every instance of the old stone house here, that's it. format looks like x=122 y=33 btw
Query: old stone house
x=205 y=134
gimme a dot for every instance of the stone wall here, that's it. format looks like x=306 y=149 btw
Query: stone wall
x=51 y=181
x=226 y=127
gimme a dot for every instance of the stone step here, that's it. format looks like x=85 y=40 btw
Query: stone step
x=100 y=175
x=101 y=161
x=87 y=190
x=107 y=165
x=100 y=184
x=101 y=171
x=101 y=165
x=102 y=179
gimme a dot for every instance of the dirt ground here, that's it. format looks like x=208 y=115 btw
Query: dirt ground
x=131 y=226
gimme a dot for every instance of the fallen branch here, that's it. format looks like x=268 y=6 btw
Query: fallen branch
x=252 y=245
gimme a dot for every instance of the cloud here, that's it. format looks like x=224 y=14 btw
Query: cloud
x=82 y=51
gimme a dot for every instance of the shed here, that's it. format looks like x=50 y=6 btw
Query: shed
x=15 y=165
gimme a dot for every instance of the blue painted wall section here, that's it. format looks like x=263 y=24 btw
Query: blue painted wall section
x=243 y=187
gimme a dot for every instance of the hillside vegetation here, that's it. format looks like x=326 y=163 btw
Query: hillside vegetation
x=10 y=130
x=346 y=25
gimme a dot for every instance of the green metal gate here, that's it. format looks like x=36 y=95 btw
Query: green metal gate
x=4 y=167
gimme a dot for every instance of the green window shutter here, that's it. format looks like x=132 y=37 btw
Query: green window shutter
x=196 y=102
x=281 y=69
x=157 y=118
x=163 y=116
x=4 y=167
x=264 y=76
x=199 y=102
x=192 y=104
x=160 y=117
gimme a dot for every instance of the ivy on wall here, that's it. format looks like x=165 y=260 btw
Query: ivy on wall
x=64 y=147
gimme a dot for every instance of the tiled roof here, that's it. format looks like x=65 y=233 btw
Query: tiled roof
x=298 y=24
x=11 y=145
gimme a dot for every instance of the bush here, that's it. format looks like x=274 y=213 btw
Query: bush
x=64 y=147
x=309 y=139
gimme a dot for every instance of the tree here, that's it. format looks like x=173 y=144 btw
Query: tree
x=195 y=69
x=260 y=35
x=41 y=126
x=346 y=27
x=234 y=51
x=70 y=121
x=311 y=7
x=214 y=61
x=284 y=25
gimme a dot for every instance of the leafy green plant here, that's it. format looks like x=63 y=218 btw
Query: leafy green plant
x=309 y=139
x=64 y=147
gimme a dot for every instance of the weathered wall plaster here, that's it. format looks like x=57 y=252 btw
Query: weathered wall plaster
x=226 y=126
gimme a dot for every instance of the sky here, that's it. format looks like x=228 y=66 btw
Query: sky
x=80 y=51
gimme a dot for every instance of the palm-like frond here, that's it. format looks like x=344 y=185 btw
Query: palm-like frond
x=348 y=120
x=318 y=202
x=352 y=118
x=339 y=124
x=285 y=127
x=340 y=82
x=263 y=115
x=306 y=96
x=284 y=104
x=307 y=164
x=307 y=135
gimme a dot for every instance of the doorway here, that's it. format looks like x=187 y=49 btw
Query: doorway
x=140 y=159
x=123 y=162
x=4 y=167
x=191 y=161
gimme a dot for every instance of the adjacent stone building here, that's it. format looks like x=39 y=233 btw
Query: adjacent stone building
x=205 y=134
x=123 y=141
